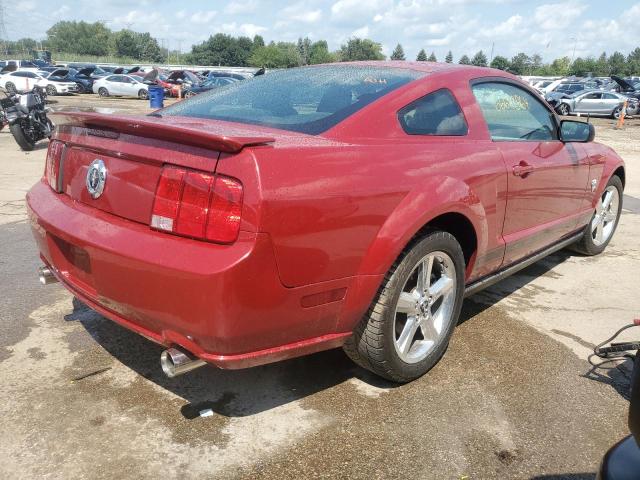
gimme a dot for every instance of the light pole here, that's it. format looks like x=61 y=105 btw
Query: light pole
x=575 y=42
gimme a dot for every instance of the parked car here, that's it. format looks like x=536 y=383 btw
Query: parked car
x=181 y=79
x=628 y=88
x=275 y=218
x=209 y=84
x=121 y=86
x=24 y=81
x=82 y=79
x=594 y=102
x=570 y=87
x=26 y=65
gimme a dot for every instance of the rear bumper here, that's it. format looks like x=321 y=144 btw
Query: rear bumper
x=224 y=303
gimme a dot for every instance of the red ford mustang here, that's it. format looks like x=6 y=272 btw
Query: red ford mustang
x=349 y=205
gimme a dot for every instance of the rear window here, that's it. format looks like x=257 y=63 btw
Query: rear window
x=437 y=113
x=307 y=100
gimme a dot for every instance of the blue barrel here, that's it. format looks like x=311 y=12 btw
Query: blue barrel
x=156 y=96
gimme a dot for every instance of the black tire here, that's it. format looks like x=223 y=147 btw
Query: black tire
x=143 y=94
x=563 y=109
x=616 y=113
x=103 y=92
x=24 y=141
x=189 y=94
x=10 y=88
x=51 y=90
x=372 y=345
x=586 y=244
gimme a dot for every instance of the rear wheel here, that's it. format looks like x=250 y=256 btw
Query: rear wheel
x=51 y=90
x=600 y=230
x=407 y=329
x=103 y=92
x=616 y=113
x=563 y=109
x=143 y=94
x=24 y=140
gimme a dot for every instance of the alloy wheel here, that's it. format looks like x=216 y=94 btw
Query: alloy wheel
x=425 y=307
x=604 y=220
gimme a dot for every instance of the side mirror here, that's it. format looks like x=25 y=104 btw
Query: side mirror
x=574 y=131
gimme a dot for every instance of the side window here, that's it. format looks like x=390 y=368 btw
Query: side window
x=437 y=113
x=609 y=96
x=513 y=114
x=592 y=96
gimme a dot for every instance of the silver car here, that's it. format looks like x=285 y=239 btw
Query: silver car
x=121 y=86
x=596 y=102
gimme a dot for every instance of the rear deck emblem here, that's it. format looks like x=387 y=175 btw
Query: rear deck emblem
x=96 y=178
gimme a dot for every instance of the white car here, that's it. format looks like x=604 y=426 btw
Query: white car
x=24 y=81
x=121 y=86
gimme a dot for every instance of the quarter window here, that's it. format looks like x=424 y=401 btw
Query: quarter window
x=513 y=114
x=437 y=113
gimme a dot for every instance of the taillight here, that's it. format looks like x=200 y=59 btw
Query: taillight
x=53 y=164
x=197 y=204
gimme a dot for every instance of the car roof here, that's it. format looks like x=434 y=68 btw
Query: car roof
x=426 y=67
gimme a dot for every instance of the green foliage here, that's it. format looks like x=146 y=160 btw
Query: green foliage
x=319 y=53
x=479 y=59
x=464 y=60
x=357 y=49
x=521 y=64
x=398 y=53
x=222 y=49
x=617 y=64
x=432 y=57
x=422 y=56
x=500 y=62
x=280 y=55
x=79 y=37
x=449 y=57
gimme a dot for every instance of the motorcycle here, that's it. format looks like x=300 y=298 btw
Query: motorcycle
x=26 y=115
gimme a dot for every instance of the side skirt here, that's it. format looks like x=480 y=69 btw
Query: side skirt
x=489 y=280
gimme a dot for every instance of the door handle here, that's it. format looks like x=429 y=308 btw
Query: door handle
x=522 y=169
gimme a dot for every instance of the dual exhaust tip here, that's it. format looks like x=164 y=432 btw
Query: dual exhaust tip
x=174 y=361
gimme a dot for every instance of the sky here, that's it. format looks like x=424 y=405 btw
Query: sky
x=552 y=29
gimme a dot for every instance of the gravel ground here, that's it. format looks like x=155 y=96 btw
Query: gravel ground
x=513 y=397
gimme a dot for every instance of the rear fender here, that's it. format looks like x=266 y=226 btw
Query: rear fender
x=440 y=195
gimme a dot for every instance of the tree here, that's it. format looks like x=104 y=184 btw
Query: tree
x=125 y=44
x=304 y=45
x=633 y=62
x=602 y=65
x=360 y=49
x=149 y=49
x=500 y=62
x=560 y=66
x=276 y=55
x=432 y=57
x=617 y=64
x=319 y=53
x=520 y=64
x=583 y=67
x=449 y=57
x=398 y=53
x=79 y=37
x=479 y=59
x=536 y=63
x=464 y=60
x=258 y=41
x=222 y=49
x=422 y=56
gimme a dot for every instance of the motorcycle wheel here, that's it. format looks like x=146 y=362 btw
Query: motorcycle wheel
x=24 y=140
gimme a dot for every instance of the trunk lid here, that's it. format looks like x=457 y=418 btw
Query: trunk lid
x=133 y=151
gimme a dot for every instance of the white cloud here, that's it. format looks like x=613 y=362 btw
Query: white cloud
x=509 y=27
x=203 y=17
x=556 y=16
x=245 y=29
x=361 y=32
x=241 y=7
x=300 y=12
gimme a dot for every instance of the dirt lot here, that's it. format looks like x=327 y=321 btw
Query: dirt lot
x=513 y=397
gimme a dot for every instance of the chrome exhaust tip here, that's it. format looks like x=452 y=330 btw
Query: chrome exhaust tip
x=46 y=276
x=176 y=362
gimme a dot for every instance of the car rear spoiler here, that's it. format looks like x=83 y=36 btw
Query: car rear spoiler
x=198 y=134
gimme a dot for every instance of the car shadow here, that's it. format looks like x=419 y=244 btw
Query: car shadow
x=239 y=393
x=231 y=393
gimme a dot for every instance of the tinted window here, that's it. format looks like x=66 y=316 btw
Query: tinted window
x=113 y=78
x=512 y=113
x=27 y=64
x=19 y=74
x=609 y=96
x=592 y=96
x=308 y=100
x=435 y=114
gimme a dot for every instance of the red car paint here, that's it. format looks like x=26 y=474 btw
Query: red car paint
x=323 y=217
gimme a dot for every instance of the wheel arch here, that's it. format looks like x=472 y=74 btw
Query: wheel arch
x=620 y=173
